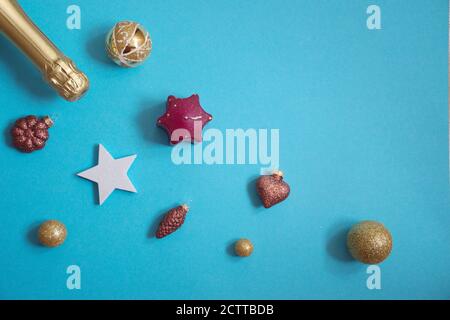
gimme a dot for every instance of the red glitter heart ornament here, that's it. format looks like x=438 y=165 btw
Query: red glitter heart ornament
x=272 y=189
x=184 y=119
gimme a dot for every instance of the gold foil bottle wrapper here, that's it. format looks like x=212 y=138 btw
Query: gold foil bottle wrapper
x=57 y=69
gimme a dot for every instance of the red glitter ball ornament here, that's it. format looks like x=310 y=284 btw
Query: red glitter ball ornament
x=184 y=119
x=172 y=221
x=30 y=133
x=272 y=189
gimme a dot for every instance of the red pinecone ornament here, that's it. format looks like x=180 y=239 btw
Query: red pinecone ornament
x=30 y=133
x=172 y=221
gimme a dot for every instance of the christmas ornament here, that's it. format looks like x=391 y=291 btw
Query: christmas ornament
x=128 y=44
x=58 y=70
x=172 y=221
x=52 y=233
x=184 y=119
x=110 y=174
x=369 y=242
x=243 y=247
x=30 y=133
x=272 y=189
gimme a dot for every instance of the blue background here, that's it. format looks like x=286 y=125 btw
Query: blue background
x=363 y=125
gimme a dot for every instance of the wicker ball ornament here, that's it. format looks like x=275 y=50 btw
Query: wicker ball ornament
x=52 y=233
x=128 y=44
x=369 y=242
x=31 y=133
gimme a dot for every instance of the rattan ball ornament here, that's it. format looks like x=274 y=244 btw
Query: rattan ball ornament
x=128 y=44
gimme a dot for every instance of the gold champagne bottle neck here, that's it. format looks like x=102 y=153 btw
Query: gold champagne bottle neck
x=58 y=70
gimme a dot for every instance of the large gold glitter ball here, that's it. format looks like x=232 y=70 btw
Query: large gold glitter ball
x=243 y=247
x=128 y=44
x=52 y=233
x=369 y=242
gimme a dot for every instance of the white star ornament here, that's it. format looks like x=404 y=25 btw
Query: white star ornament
x=110 y=174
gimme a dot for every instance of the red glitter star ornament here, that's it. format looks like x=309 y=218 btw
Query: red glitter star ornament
x=184 y=119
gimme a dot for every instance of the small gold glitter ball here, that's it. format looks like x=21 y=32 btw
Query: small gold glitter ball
x=369 y=242
x=128 y=44
x=243 y=247
x=52 y=233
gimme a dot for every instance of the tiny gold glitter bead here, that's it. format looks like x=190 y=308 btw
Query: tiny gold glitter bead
x=128 y=44
x=52 y=233
x=369 y=242
x=243 y=247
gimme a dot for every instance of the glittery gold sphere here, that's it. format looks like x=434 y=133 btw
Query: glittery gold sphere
x=369 y=242
x=128 y=44
x=52 y=233
x=243 y=248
